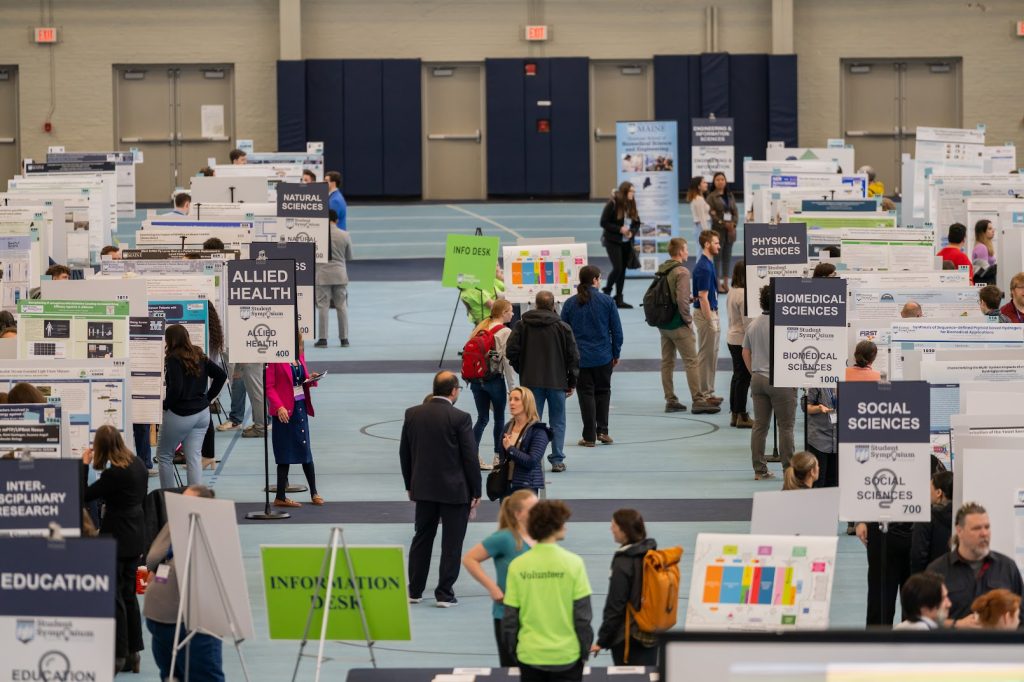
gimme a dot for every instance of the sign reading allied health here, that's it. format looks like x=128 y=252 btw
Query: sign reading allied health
x=261 y=311
x=290 y=582
x=470 y=261
x=304 y=256
x=306 y=211
x=772 y=251
x=57 y=609
x=37 y=493
x=808 y=319
x=884 y=451
x=714 y=149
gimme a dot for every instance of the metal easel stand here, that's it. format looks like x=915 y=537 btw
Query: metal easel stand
x=195 y=528
x=328 y=564
x=479 y=232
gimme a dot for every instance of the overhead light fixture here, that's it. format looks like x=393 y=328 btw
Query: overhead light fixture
x=860 y=68
x=134 y=75
x=213 y=73
x=631 y=70
x=443 y=72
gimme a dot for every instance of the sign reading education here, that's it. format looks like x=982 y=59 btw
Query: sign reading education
x=305 y=210
x=304 y=255
x=469 y=261
x=884 y=451
x=714 y=148
x=772 y=251
x=808 y=318
x=35 y=493
x=261 y=311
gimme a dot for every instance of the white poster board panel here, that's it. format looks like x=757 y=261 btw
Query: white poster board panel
x=993 y=389
x=955 y=151
x=224 y=189
x=795 y=512
x=942 y=303
x=98 y=289
x=898 y=250
x=958 y=371
x=968 y=428
x=192 y=238
x=842 y=156
x=531 y=268
x=995 y=480
x=932 y=336
x=759 y=173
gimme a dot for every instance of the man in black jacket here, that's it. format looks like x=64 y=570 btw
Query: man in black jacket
x=542 y=349
x=442 y=476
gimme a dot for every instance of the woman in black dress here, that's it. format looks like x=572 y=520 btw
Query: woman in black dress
x=617 y=237
x=288 y=387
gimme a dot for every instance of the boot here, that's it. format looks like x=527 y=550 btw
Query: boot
x=743 y=421
x=619 y=303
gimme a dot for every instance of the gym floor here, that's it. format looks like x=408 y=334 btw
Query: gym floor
x=687 y=474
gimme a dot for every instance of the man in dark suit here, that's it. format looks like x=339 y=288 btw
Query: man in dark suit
x=442 y=476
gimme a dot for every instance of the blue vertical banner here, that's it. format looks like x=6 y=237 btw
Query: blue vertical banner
x=647 y=156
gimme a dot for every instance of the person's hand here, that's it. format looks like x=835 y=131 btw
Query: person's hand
x=825 y=409
x=615 y=361
x=282 y=415
x=496 y=594
x=624 y=230
x=862 y=533
x=968 y=622
x=506 y=440
x=595 y=649
x=87 y=456
x=474 y=503
x=568 y=392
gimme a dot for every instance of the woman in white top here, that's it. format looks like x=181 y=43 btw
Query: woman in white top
x=738 y=323
x=699 y=206
x=491 y=391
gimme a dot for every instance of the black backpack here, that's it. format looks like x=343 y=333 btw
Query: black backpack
x=659 y=308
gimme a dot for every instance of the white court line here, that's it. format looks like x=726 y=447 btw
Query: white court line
x=486 y=220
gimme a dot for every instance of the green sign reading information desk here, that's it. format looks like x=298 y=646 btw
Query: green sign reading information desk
x=290 y=574
x=469 y=261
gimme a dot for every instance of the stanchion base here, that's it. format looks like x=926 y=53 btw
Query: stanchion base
x=292 y=488
x=268 y=516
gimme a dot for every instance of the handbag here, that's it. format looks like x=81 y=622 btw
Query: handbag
x=634 y=261
x=498 y=481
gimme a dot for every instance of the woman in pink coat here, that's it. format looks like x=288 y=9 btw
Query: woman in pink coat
x=288 y=387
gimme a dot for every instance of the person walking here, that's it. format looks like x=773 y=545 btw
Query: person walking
x=617 y=237
x=439 y=464
x=595 y=324
x=705 y=316
x=543 y=351
x=332 y=284
x=524 y=441
x=490 y=391
x=723 y=223
x=739 y=387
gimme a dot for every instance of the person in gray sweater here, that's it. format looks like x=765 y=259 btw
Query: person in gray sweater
x=332 y=284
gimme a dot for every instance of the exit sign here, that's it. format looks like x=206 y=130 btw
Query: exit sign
x=537 y=32
x=46 y=34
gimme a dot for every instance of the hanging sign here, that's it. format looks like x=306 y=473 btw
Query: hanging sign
x=772 y=251
x=305 y=210
x=808 y=318
x=39 y=492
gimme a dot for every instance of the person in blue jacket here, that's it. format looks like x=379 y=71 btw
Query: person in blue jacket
x=524 y=441
x=595 y=323
x=335 y=200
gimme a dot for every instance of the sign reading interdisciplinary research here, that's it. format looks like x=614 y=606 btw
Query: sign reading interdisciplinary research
x=290 y=576
x=39 y=492
x=646 y=153
x=76 y=330
x=884 y=451
x=714 y=148
x=57 y=609
x=305 y=210
x=470 y=261
x=262 y=311
x=808 y=319
x=772 y=251
x=304 y=255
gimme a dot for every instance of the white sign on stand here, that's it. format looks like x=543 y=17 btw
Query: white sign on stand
x=261 y=311
x=808 y=326
x=795 y=512
x=530 y=268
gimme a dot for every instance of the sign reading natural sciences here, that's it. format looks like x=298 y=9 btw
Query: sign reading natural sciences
x=304 y=207
x=884 y=451
x=808 y=320
x=470 y=261
x=262 y=311
x=772 y=251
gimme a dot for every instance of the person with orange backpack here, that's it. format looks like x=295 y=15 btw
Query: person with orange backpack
x=487 y=371
x=643 y=593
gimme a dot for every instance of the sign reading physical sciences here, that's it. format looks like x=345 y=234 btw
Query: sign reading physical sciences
x=713 y=148
x=261 y=311
x=306 y=211
x=57 y=609
x=469 y=261
x=304 y=255
x=36 y=493
x=772 y=251
x=808 y=319
x=884 y=451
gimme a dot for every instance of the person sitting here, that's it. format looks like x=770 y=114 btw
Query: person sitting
x=8 y=332
x=997 y=610
x=989 y=298
x=864 y=355
x=875 y=186
x=111 y=251
x=911 y=309
x=801 y=473
x=925 y=602
x=931 y=540
x=1014 y=308
x=954 y=253
x=213 y=244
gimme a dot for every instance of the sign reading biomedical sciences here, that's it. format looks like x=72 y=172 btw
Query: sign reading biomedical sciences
x=57 y=609
x=808 y=319
x=304 y=255
x=772 y=251
x=34 y=494
x=884 y=451
x=470 y=261
x=714 y=148
x=261 y=311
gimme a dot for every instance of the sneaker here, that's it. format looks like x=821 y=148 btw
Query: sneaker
x=586 y=443
x=743 y=421
x=252 y=432
x=447 y=603
x=705 y=408
x=344 y=343
x=557 y=468
x=605 y=438
x=415 y=600
x=765 y=476
x=484 y=466
x=320 y=343
x=619 y=303
x=675 y=406
x=715 y=400
x=229 y=426
x=154 y=472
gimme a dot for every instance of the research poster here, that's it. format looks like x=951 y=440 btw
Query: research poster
x=16 y=271
x=808 y=319
x=261 y=312
x=57 y=603
x=72 y=330
x=883 y=248
x=31 y=430
x=884 y=451
x=761 y=582
x=304 y=255
x=193 y=315
x=943 y=303
x=186 y=235
x=146 y=367
x=304 y=210
x=772 y=251
x=290 y=585
x=470 y=261
x=646 y=153
x=714 y=148
x=929 y=337
x=36 y=493
x=531 y=268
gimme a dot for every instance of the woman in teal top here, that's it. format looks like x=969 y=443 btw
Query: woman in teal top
x=510 y=540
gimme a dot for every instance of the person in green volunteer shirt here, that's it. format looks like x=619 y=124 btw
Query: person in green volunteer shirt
x=510 y=541
x=478 y=301
x=547 y=602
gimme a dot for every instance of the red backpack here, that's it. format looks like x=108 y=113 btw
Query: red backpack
x=478 y=358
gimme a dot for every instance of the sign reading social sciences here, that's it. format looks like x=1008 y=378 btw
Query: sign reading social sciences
x=772 y=251
x=884 y=451
x=714 y=148
x=262 y=311
x=808 y=319
x=304 y=255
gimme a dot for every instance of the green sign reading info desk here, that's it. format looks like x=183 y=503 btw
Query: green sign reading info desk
x=469 y=261
x=290 y=574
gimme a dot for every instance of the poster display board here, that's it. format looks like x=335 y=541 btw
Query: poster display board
x=530 y=268
x=261 y=311
x=714 y=148
x=771 y=251
x=994 y=478
x=31 y=430
x=843 y=155
x=884 y=451
x=813 y=511
x=193 y=315
x=16 y=271
x=57 y=609
x=836 y=220
x=146 y=368
x=931 y=336
x=230 y=189
x=470 y=261
x=885 y=304
x=304 y=255
x=97 y=289
x=289 y=583
x=882 y=248
x=186 y=235
x=171 y=254
x=759 y=174
x=808 y=318
x=646 y=153
x=124 y=170
x=37 y=493
x=952 y=151
x=761 y=582
x=303 y=213
x=74 y=330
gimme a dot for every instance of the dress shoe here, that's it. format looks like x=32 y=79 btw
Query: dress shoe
x=586 y=443
x=286 y=502
x=605 y=438
x=743 y=421
x=318 y=501
x=320 y=343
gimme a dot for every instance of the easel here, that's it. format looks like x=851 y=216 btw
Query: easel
x=329 y=562
x=195 y=527
x=478 y=232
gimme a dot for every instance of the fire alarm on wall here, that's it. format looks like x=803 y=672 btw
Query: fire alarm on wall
x=48 y=127
x=1020 y=29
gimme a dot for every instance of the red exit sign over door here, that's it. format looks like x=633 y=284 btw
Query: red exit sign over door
x=46 y=34
x=537 y=32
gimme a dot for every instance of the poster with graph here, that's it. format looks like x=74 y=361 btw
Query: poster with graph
x=530 y=268
x=761 y=582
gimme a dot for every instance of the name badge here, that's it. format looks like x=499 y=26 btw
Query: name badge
x=832 y=418
x=727 y=216
x=297 y=392
x=163 y=571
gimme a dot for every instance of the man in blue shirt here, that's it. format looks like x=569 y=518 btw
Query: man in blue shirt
x=705 y=316
x=335 y=201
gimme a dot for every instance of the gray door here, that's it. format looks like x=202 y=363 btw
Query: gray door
x=619 y=91
x=203 y=92
x=453 y=118
x=10 y=158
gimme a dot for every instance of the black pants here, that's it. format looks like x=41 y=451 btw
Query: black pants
x=282 y=479
x=454 y=519
x=530 y=674
x=739 y=387
x=638 y=654
x=506 y=659
x=895 y=564
x=619 y=255
x=208 y=440
x=128 y=620
x=594 y=392
x=828 y=467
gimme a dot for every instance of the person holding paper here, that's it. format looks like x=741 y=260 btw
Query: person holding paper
x=1014 y=308
x=723 y=223
x=617 y=237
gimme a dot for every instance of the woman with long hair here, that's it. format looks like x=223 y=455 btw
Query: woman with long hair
x=122 y=487
x=192 y=382
x=509 y=541
x=698 y=204
x=215 y=345
x=595 y=324
x=723 y=223
x=801 y=473
x=490 y=392
x=617 y=237
x=524 y=441
x=984 y=246
x=739 y=387
x=863 y=358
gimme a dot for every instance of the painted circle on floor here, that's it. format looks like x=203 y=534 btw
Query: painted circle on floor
x=427 y=318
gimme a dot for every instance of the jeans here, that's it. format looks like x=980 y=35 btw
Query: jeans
x=556 y=420
x=143 y=449
x=190 y=432
x=237 y=414
x=454 y=519
x=325 y=294
x=252 y=375
x=708 y=331
x=768 y=399
x=619 y=255
x=740 y=384
x=594 y=392
x=683 y=341
x=203 y=653
x=489 y=395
